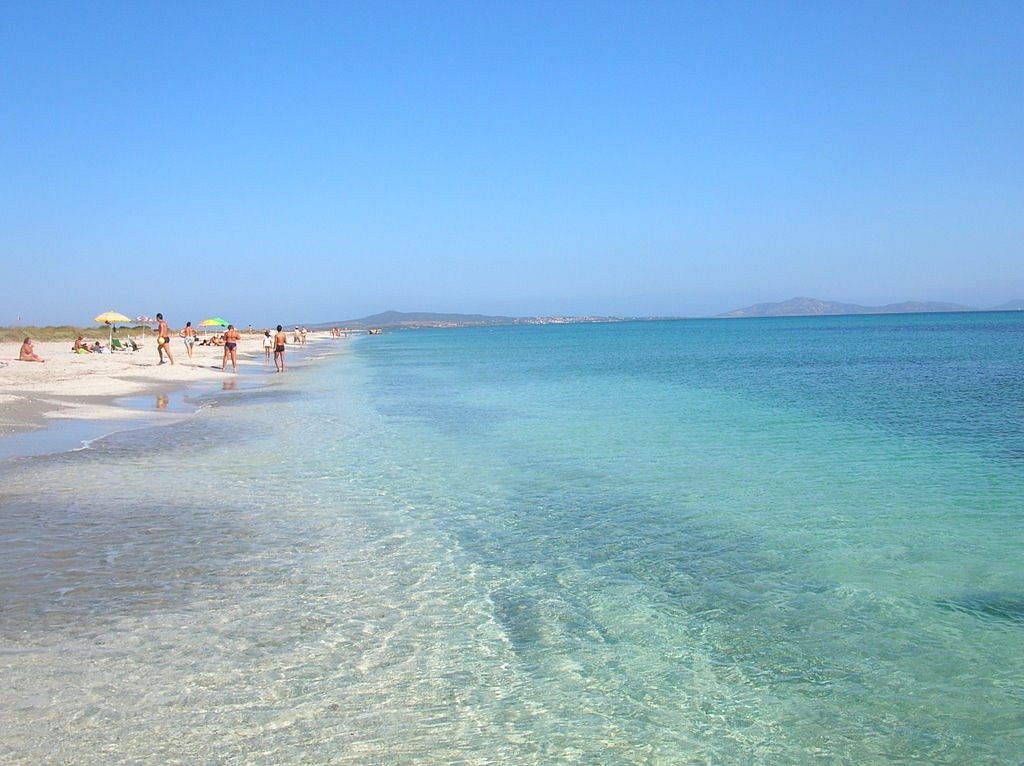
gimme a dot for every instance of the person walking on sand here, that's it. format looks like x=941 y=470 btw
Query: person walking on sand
x=268 y=343
x=231 y=338
x=279 y=342
x=28 y=352
x=163 y=339
x=189 y=336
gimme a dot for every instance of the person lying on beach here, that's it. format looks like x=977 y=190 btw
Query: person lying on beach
x=28 y=352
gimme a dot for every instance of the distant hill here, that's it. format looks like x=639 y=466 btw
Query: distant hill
x=1010 y=306
x=392 y=320
x=817 y=307
x=398 y=319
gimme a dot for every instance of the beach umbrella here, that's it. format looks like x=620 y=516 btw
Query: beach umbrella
x=108 y=318
x=145 y=319
x=215 y=322
x=111 y=316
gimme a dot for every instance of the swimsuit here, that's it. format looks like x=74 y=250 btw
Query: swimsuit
x=189 y=340
x=279 y=348
x=229 y=346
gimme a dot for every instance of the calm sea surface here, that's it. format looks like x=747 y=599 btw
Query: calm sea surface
x=776 y=541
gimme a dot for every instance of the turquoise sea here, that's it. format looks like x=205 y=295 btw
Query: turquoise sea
x=772 y=541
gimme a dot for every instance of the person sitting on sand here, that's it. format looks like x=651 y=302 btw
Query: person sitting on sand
x=28 y=352
x=98 y=347
x=81 y=346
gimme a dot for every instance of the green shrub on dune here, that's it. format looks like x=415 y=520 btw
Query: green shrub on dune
x=66 y=332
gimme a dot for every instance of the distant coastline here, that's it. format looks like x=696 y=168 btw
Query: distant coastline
x=818 y=307
x=397 y=320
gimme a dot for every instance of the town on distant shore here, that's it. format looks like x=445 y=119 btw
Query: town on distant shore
x=393 y=320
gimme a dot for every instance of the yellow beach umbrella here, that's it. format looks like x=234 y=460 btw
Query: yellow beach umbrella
x=108 y=318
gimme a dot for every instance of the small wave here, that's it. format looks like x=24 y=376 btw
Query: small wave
x=998 y=605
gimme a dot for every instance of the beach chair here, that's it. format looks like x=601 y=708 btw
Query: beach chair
x=116 y=345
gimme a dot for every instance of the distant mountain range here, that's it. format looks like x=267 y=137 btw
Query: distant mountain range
x=393 y=320
x=817 y=307
x=424 y=319
x=407 y=320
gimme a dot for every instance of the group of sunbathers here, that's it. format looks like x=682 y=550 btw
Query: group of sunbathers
x=82 y=346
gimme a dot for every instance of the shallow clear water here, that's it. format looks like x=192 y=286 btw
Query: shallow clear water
x=775 y=541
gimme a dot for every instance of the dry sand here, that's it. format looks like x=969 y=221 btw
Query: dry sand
x=69 y=385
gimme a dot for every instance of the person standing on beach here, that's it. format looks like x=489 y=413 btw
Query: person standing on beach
x=189 y=335
x=268 y=343
x=279 y=341
x=231 y=338
x=163 y=339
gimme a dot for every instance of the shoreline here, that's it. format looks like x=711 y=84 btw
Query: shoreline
x=68 y=389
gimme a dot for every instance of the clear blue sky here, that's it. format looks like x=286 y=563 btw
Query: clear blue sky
x=318 y=161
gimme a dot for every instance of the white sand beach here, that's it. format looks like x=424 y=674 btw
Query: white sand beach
x=70 y=385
